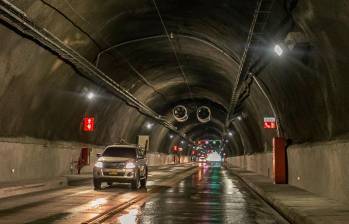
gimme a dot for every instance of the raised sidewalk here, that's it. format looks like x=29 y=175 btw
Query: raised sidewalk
x=298 y=206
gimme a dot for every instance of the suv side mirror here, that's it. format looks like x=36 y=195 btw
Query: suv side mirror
x=99 y=155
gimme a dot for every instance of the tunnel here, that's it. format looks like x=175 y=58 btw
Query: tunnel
x=262 y=82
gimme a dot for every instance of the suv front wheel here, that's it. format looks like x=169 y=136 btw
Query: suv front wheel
x=144 y=180
x=97 y=184
x=136 y=183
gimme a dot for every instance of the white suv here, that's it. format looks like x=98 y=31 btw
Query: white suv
x=122 y=164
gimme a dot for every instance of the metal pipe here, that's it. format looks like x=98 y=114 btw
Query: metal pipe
x=235 y=92
x=161 y=36
x=174 y=50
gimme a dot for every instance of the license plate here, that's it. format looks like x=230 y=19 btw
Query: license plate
x=112 y=172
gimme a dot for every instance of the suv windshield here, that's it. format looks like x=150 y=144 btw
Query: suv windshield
x=120 y=152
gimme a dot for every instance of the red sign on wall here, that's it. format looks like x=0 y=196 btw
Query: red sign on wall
x=88 y=124
x=175 y=148
x=269 y=122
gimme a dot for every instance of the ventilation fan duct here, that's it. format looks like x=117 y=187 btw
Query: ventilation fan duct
x=180 y=113
x=203 y=114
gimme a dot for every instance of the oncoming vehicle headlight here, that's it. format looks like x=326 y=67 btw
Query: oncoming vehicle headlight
x=99 y=165
x=130 y=165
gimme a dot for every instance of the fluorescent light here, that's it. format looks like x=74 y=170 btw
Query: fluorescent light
x=149 y=125
x=90 y=95
x=278 y=50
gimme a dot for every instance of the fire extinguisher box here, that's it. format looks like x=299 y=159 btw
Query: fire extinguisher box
x=85 y=156
x=279 y=160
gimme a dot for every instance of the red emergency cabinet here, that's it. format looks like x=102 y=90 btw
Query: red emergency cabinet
x=84 y=159
x=279 y=160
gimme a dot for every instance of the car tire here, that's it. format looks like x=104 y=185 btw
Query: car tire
x=144 y=180
x=136 y=184
x=97 y=184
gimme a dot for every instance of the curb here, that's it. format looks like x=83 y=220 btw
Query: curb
x=37 y=186
x=296 y=205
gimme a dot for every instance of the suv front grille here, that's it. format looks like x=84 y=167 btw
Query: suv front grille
x=114 y=165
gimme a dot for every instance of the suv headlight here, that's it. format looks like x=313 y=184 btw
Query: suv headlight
x=99 y=165
x=130 y=165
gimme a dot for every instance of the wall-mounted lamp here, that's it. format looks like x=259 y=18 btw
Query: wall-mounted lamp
x=278 y=50
x=149 y=125
x=90 y=95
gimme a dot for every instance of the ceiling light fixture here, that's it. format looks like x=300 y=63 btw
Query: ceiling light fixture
x=149 y=125
x=90 y=95
x=278 y=50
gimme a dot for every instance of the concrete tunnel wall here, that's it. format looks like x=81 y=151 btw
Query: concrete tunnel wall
x=321 y=168
x=50 y=85
x=321 y=116
x=29 y=159
x=43 y=97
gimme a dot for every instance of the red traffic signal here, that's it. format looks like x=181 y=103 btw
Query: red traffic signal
x=88 y=124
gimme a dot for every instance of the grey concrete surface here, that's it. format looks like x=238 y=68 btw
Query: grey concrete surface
x=297 y=205
x=261 y=163
x=321 y=168
x=29 y=158
x=25 y=159
x=31 y=186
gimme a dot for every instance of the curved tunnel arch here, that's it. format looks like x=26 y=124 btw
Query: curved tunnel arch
x=43 y=93
x=308 y=82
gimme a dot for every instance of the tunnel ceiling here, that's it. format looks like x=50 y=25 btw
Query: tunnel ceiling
x=173 y=52
x=200 y=59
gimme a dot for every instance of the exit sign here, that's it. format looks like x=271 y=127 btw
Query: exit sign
x=269 y=123
x=88 y=124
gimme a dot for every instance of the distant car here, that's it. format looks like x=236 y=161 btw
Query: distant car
x=202 y=160
x=121 y=164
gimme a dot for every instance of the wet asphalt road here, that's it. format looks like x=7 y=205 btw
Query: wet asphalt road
x=77 y=204
x=211 y=195
x=208 y=194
